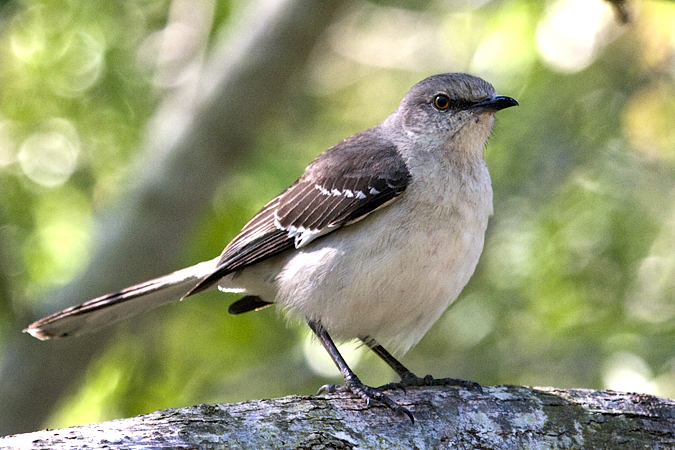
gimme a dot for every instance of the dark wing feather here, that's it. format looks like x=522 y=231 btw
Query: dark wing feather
x=343 y=185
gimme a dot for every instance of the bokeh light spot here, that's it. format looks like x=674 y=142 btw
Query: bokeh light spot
x=28 y=39
x=571 y=33
x=49 y=156
x=321 y=363
x=627 y=372
x=80 y=64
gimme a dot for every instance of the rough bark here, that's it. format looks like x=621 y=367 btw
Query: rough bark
x=188 y=154
x=503 y=417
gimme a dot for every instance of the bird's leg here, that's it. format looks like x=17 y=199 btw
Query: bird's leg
x=410 y=379
x=352 y=382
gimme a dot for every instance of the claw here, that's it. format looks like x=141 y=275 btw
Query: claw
x=476 y=387
x=369 y=394
x=352 y=382
x=406 y=411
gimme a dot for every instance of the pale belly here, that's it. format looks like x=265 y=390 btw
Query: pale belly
x=388 y=277
x=392 y=286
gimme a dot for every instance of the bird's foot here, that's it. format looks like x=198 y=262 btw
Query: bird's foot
x=368 y=394
x=410 y=380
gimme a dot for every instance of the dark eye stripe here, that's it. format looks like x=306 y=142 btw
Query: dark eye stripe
x=444 y=103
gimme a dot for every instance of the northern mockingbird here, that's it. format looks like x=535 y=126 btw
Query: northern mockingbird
x=373 y=242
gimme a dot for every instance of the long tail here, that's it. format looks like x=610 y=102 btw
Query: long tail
x=108 y=309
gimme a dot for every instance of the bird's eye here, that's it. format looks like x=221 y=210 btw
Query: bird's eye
x=441 y=102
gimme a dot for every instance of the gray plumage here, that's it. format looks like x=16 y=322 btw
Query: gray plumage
x=374 y=241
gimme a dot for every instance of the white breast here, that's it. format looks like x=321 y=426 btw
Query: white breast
x=391 y=275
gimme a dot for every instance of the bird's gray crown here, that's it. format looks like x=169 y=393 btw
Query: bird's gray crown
x=462 y=90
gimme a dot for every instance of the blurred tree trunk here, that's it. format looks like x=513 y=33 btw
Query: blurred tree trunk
x=189 y=152
x=504 y=417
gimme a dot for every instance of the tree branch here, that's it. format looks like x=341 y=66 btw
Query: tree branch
x=504 y=417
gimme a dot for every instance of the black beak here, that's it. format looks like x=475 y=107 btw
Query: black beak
x=496 y=103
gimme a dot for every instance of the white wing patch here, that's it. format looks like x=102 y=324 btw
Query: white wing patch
x=346 y=192
x=303 y=236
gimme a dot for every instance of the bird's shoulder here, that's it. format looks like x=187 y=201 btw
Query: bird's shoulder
x=366 y=154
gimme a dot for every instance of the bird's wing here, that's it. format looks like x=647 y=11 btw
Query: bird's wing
x=343 y=185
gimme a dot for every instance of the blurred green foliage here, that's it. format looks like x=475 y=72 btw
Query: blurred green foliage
x=73 y=104
x=576 y=284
